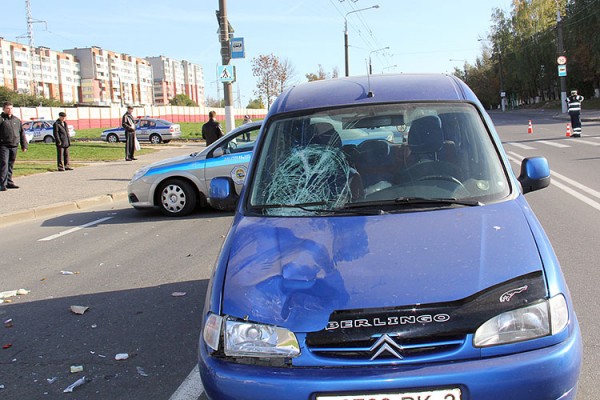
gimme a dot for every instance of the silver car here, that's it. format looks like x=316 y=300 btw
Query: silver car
x=153 y=130
x=180 y=184
x=41 y=130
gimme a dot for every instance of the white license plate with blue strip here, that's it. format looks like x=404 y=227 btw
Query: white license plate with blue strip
x=443 y=394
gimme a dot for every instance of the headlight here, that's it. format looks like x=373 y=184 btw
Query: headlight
x=139 y=173
x=256 y=340
x=248 y=339
x=541 y=319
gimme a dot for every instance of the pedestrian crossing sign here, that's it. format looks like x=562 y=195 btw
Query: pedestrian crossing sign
x=226 y=73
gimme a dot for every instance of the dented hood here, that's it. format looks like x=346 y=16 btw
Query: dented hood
x=294 y=272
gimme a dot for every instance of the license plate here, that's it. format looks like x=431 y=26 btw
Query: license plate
x=443 y=394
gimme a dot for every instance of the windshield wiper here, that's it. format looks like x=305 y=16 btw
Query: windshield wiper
x=415 y=201
x=435 y=200
x=307 y=207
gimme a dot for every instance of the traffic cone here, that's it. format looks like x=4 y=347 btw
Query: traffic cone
x=530 y=129
x=568 y=130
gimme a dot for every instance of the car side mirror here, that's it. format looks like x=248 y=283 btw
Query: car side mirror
x=218 y=152
x=535 y=174
x=222 y=194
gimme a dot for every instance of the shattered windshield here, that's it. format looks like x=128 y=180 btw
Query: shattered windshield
x=435 y=154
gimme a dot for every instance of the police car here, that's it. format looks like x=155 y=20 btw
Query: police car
x=179 y=185
x=153 y=130
x=40 y=130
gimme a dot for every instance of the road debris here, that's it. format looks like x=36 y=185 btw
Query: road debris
x=79 y=309
x=51 y=380
x=75 y=384
x=8 y=323
x=12 y=293
x=76 y=368
x=69 y=273
x=121 y=356
x=178 y=294
x=7 y=346
x=141 y=371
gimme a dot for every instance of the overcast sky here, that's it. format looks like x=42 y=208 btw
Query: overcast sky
x=422 y=36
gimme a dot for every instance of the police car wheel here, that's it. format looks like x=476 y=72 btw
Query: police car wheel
x=155 y=139
x=48 y=139
x=112 y=138
x=177 y=198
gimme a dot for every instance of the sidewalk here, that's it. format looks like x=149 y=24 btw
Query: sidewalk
x=53 y=193
x=586 y=116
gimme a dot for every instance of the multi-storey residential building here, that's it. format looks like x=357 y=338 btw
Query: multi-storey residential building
x=43 y=72
x=109 y=78
x=95 y=76
x=173 y=77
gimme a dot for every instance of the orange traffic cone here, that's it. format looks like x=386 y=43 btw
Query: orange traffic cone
x=568 y=130
x=530 y=129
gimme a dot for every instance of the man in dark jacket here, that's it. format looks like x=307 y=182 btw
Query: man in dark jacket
x=60 y=130
x=128 y=123
x=211 y=130
x=11 y=134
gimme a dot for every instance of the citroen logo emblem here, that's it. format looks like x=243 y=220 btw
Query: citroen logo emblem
x=386 y=343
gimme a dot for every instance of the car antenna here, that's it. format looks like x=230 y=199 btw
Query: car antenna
x=370 y=92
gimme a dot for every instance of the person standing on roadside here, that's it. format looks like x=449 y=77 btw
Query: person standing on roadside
x=128 y=123
x=11 y=134
x=211 y=130
x=247 y=120
x=574 y=108
x=60 y=130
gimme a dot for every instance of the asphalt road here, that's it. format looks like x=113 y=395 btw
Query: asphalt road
x=128 y=265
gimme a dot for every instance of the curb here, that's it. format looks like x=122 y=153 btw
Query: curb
x=60 y=208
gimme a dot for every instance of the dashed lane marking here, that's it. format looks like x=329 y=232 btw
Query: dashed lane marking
x=77 y=228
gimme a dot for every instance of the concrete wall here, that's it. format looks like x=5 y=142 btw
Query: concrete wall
x=108 y=117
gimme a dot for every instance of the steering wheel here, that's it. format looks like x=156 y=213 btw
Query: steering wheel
x=448 y=178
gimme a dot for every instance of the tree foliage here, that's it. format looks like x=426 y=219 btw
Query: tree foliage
x=273 y=74
x=27 y=100
x=520 y=55
x=256 y=104
x=321 y=74
x=182 y=100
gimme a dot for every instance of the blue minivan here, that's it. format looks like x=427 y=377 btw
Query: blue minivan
x=382 y=248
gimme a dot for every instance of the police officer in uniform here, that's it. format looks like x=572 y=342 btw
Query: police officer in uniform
x=574 y=109
x=128 y=123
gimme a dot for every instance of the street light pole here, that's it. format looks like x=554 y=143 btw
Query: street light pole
x=561 y=52
x=375 y=51
x=346 y=62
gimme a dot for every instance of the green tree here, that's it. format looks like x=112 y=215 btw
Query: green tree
x=256 y=103
x=182 y=100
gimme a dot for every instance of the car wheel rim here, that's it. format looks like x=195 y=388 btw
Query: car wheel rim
x=155 y=140
x=173 y=198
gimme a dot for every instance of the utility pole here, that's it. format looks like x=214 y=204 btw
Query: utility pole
x=225 y=58
x=561 y=52
x=29 y=35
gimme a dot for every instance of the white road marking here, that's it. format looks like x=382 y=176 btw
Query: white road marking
x=522 y=146
x=516 y=158
x=587 y=142
x=555 y=144
x=77 y=228
x=191 y=388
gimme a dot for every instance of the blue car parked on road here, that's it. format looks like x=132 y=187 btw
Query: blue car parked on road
x=362 y=267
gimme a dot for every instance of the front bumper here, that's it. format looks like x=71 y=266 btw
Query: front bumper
x=544 y=374
x=139 y=194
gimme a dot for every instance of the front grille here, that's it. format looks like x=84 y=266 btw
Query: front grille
x=410 y=350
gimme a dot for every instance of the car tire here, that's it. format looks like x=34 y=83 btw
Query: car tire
x=155 y=138
x=177 y=198
x=48 y=139
x=112 y=138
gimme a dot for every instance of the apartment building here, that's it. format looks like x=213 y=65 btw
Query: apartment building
x=43 y=72
x=173 y=77
x=109 y=78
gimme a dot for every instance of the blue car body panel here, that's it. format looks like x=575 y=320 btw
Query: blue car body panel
x=326 y=263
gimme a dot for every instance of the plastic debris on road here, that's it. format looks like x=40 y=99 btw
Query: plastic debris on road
x=79 y=309
x=7 y=346
x=69 y=273
x=178 y=294
x=51 y=380
x=121 y=356
x=75 y=384
x=8 y=323
x=76 y=368
x=141 y=371
x=12 y=293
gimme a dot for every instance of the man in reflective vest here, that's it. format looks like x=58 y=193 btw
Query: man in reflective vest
x=574 y=104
